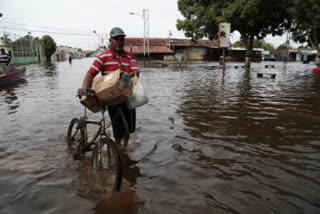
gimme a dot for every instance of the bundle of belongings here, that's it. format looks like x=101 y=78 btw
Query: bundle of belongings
x=111 y=89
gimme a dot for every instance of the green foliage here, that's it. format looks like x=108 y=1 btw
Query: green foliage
x=268 y=47
x=306 y=24
x=284 y=46
x=6 y=39
x=49 y=46
x=254 y=19
x=238 y=44
x=256 y=44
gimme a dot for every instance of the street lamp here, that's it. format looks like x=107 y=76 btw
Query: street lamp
x=100 y=38
x=145 y=17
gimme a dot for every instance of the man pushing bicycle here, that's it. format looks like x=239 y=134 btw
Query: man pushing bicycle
x=114 y=58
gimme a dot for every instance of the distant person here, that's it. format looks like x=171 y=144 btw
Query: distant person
x=112 y=59
x=70 y=59
x=5 y=60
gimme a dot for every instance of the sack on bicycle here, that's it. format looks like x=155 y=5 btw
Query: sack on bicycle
x=138 y=98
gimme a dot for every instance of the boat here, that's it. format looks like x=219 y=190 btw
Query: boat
x=12 y=76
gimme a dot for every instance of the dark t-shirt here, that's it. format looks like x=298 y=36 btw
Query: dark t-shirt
x=5 y=59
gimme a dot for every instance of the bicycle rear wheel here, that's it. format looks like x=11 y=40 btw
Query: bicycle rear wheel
x=75 y=136
x=106 y=165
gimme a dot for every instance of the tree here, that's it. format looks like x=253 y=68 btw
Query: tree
x=238 y=44
x=49 y=46
x=6 y=39
x=252 y=18
x=284 y=46
x=306 y=23
x=268 y=46
x=256 y=44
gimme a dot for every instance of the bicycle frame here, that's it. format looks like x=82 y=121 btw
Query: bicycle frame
x=105 y=154
x=102 y=124
x=101 y=131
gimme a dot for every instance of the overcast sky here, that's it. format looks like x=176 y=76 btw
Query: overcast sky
x=85 y=16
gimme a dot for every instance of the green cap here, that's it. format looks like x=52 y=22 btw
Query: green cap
x=116 y=31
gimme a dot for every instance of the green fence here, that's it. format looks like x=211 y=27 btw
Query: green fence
x=23 y=49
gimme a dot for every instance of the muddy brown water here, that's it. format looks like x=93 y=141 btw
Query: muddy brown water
x=205 y=143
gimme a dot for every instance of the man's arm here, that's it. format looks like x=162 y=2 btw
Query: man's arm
x=91 y=73
x=87 y=82
x=133 y=66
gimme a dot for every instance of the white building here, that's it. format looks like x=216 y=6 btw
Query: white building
x=64 y=52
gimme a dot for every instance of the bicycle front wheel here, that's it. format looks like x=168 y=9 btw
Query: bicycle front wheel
x=106 y=165
x=75 y=134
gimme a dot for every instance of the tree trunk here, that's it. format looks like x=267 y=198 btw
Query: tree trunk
x=315 y=43
x=249 y=46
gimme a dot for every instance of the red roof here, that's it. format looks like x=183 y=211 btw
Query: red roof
x=152 y=49
x=139 y=41
x=158 y=45
x=176 y=42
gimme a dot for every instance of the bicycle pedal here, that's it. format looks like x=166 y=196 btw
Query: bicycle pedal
x=78 y=156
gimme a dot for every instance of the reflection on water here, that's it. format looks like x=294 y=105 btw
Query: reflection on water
x=206 y=142
x=9 y=96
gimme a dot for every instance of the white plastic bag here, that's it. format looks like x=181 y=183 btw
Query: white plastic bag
x=138 y=98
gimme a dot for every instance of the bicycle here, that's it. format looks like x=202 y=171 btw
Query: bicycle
x=105 y=154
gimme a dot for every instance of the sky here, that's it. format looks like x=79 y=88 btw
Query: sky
x=61 y=19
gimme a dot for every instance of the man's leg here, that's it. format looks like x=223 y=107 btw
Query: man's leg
x=125 y=141
x=118 y=140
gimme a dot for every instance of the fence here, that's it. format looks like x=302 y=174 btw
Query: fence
x=23 y=49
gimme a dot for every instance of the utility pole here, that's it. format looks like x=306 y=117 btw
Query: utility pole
x=146 y=30
x=169 y=37
x=146 y=27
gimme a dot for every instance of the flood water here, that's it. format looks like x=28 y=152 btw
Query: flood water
x=205 y=142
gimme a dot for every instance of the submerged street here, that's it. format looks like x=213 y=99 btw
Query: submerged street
x=205 y=142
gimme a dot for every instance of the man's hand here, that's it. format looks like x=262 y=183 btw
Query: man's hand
x=132 y=74
x=82 y=91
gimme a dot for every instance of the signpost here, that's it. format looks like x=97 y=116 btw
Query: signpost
x=224 y=41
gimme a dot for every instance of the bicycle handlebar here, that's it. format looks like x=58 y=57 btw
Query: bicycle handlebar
x=90 y=92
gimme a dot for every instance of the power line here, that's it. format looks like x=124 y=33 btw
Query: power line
x=42 y=31
x=45 y=27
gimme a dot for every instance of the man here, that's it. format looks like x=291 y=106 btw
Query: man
x=4 y=61
x=108 y=61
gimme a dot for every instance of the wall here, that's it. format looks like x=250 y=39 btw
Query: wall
x=24 y=60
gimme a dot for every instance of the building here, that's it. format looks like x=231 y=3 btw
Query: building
x=169 y=49
x=158 y=48
x=305 y=55
x=237 y=54
x=200 y=50
x=187 y=49
x=267 y=56
x=64 y=52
